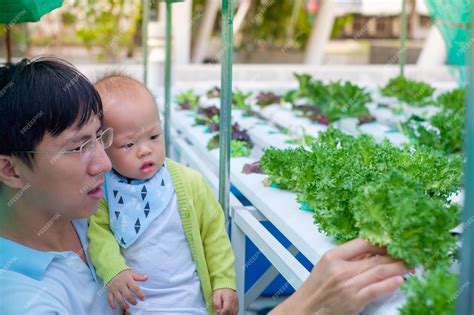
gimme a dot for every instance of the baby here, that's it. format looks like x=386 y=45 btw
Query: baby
x=159 y=222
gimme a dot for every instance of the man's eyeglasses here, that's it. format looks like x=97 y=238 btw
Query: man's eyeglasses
x=87 y=149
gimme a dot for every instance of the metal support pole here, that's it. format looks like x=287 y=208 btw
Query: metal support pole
x=145 y=18
x=226 y=105
x=403 y=37
x=167 y=84
x=465 y=303
x=168 y=77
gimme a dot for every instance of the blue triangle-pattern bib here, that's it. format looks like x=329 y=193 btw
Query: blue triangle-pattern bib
x=134 y=203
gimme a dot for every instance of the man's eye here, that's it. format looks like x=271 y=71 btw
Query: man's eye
x=154 y=137
x=78 y=149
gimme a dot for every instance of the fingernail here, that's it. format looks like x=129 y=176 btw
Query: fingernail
x=400 y=280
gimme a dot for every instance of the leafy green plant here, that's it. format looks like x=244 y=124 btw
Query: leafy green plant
x=434 y=293
x=412 y=92
x=358 y=187
x=445 y=130
x=327 y=103
x=284 y=167
x=344 y=100
x=187 y=100
x=452 y=100
x=209 y=117
x=240 y=100
x=306 y=86
x=237 y=148
x=212 y=123
x=215 y=92
x=393 y=197
x=267 y=98
x=241 y=144
x=391 y=211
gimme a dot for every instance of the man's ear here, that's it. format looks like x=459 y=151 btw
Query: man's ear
x=9 y=172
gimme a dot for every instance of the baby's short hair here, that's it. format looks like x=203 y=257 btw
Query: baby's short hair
x=117 y=78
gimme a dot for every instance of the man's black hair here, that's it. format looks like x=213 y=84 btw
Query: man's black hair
x=39 y=96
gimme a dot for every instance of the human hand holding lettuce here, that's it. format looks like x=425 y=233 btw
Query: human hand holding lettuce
x=345 y=280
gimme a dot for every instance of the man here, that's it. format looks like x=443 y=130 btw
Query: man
x=51 y=163
x=49 y=175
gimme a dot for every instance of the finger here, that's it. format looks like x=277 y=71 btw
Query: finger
x=360 y=266
x=355 y=248
x=226 y=306
x=139 y=277
x=217 y=300
x=378 y=273
x=379 y=289
x=360 y=257
x=236 y=303
x=111 y=300
x=129 y=296
x=137 y=291
x=119 y=297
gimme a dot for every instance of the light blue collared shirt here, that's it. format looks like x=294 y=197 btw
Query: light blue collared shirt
x=36 y=282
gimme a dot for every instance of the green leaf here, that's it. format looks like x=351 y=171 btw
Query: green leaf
x=239 y=149
x=335 y=100
x=239 y=100
x=396 y=197
x=412 y=92
x=445 y=130
x=187 y=100
x=434 y=293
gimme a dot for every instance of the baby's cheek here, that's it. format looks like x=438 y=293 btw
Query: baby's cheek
x=120 y=162
x=161 y=152
x=161 y=159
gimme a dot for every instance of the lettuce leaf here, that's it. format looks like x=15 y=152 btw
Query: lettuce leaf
x=434 y=293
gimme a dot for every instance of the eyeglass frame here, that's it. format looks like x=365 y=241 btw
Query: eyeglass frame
x=98 y=139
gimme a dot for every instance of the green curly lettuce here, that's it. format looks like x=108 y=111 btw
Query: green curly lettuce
x=187 y=100
x=412 y=92
x=433 y=294
x=394 y=211
x=347 y=181
x=452 y=100
x=445 y=130
x=284 y=167
x=239 y=148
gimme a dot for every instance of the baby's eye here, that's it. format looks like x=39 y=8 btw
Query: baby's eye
x=154 y=137
x=128 y=145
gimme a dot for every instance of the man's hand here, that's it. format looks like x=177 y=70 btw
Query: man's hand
x=123 y=288
x=225 y=302
x=345 y=280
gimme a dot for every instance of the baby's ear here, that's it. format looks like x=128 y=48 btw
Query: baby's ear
x=9 y=172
